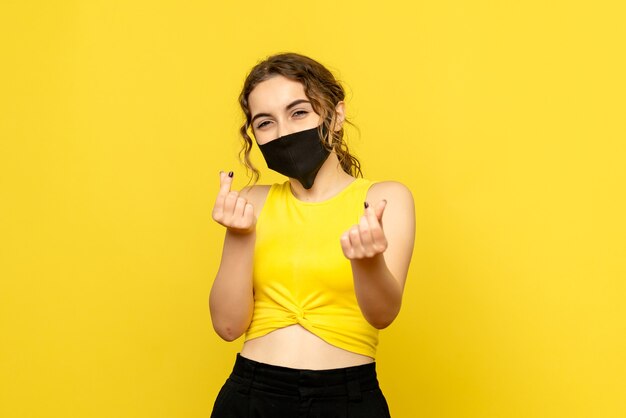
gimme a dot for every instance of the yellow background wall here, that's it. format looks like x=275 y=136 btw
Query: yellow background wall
x=506 y=120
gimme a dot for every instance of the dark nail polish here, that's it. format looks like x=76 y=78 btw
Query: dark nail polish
x=366 y=205
x=230 y=174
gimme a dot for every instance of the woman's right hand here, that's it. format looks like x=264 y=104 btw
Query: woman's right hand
x=231 y=210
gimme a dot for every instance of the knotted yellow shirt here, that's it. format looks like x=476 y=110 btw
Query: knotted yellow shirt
x=300 y=273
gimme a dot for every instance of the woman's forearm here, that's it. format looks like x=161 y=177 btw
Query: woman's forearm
x=231 y=300
x=378 y=292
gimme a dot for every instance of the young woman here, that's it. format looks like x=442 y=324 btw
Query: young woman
x=313 y=267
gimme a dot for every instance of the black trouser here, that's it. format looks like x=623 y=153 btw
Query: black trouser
x=259 y=390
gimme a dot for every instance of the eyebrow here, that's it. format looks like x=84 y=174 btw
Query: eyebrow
x=289 y=106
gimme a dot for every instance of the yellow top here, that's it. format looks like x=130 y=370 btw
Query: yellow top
x=300 y=273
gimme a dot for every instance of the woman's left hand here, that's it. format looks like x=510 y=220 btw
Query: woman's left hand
x=367 y=239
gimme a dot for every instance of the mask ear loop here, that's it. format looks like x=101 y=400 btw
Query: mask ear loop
x=328 y=134
x=334 y=120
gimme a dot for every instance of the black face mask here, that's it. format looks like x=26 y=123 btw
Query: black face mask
x=299 y=155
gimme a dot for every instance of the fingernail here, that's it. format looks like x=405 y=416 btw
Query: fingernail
x=230 y=174
x=385 y=200
x=366 y=205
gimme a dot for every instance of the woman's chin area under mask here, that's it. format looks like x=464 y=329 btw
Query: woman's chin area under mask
x=329 y=181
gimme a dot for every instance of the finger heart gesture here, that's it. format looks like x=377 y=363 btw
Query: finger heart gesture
x=232 y=210
x=366 y=239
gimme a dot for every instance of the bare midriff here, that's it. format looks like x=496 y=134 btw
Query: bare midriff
x=295 y=347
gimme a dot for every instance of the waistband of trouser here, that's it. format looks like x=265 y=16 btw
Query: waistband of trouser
x=350 y=381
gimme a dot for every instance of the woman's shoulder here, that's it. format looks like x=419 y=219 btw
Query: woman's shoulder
x=389 y=190
x=256 y=191
x=256 y=194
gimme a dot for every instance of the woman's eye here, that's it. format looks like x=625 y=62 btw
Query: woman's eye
x=297 y=113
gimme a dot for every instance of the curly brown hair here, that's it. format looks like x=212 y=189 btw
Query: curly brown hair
x=320 y=87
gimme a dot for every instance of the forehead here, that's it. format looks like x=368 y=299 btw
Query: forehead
x=274 y=94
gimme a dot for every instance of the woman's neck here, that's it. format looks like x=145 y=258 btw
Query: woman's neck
x=329 y=181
